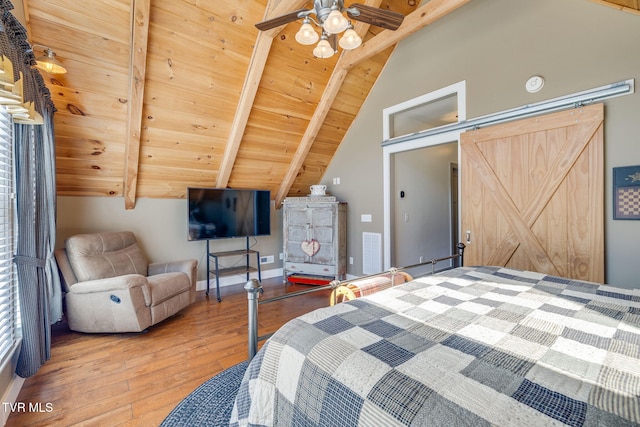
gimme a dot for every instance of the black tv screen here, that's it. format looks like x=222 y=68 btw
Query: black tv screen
x=221 y=213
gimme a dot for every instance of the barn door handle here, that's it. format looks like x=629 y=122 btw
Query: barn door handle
x=468 y=236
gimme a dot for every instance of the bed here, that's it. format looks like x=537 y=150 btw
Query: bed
x=468 y=346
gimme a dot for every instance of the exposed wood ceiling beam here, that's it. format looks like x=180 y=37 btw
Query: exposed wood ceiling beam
x=420 y=18
x=249 y=90
x=324 y=105
x=140 y=11
x=247 y=96
x=625 y=6
x=320 y=113
x=27 y=22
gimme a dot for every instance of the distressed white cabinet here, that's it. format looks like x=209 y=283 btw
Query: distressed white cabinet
x=315 y=236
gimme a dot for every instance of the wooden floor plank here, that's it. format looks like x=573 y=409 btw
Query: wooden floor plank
x=137 y=379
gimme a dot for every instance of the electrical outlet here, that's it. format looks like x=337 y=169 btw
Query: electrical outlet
x=421 y=259
x=351 y=260
x=281 y=256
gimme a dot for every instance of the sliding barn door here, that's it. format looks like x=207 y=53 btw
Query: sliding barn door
x=532 y=194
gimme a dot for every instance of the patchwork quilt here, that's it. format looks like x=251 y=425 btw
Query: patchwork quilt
x=470 y=346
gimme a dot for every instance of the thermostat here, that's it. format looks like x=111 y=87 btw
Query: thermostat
x=534 y=84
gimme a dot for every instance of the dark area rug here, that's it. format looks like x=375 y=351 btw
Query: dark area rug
x=211 y=403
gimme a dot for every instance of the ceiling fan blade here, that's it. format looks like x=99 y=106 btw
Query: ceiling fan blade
x=333 y=42
x=279 y=20
x=375 y=16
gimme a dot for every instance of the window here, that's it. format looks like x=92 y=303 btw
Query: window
x=429 y=115
x=430 y=111
x=8 y=287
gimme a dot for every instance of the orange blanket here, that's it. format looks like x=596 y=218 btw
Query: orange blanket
x=361 y=287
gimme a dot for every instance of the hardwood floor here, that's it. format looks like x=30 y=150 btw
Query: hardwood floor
x=137 y=379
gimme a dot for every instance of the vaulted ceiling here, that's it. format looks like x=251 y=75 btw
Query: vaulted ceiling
x=161 y=95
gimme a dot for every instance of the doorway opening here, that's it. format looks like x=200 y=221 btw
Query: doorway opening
x=420 y=178
x=424 y=204
x=454 y=203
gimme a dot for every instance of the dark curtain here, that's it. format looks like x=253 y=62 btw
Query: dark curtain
x=34 y=159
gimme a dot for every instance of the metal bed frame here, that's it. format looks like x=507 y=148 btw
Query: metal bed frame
x=254 y=290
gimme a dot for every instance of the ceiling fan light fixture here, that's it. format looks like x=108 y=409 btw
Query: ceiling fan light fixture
x=323 y=49
x=335 y=22
x=49 y=63
x=306 y=34
x=350 y=39
x=333 y=17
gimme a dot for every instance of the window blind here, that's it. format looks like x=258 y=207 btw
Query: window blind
x=8 y=286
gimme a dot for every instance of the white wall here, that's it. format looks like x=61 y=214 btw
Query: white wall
x=422 y=218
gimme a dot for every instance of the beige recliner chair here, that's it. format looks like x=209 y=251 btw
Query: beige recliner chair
x=110 y=286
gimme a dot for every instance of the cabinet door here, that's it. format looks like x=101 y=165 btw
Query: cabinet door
x=321 y=230
x=295 y=232
x=309 y=234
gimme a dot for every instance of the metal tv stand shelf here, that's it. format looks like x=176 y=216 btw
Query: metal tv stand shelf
x=245 y=268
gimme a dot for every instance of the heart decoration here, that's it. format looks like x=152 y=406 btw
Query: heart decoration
x=310 y=247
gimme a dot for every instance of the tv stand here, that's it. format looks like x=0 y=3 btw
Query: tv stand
x=245 y=268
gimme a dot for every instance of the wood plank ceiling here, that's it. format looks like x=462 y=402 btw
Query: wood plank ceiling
x=632 y=6
x=161 y=95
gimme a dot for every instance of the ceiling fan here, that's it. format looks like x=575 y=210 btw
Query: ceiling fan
x=329 y=16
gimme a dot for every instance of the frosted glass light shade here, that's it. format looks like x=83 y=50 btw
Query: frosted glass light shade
x=306 y=34
x=350 y=40
x=49 y=63
x=323 y=50
x=335 y=22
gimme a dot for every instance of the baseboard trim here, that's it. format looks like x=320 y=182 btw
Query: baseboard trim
x=201 y=285
x=10 y=396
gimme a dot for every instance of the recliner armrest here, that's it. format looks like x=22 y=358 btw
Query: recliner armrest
x=187 y=266
x=110 y=284
x=117 y=304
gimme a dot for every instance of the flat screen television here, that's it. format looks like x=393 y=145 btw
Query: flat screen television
x=222 y=213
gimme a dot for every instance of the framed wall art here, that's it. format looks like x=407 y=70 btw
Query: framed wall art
x=626 y=192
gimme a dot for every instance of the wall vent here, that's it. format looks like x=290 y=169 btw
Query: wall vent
x=371 y=253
